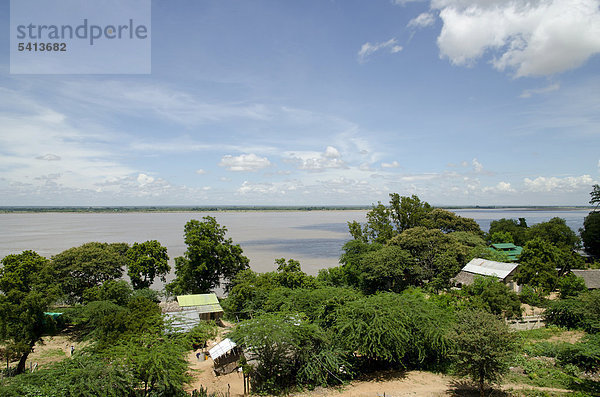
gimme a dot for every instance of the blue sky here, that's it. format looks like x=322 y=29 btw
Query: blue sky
x=313 y=102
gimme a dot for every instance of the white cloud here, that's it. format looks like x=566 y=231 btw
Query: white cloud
x=422 y=21
x=49 y=157
x=555 y=184
x=244 y=162
x=314 y=161
x=144 y=179
x=534 y=38
x=368 y=49
x=201 y=171
x=501 y=187
x=393 y=164
x=477 y=166
x=535 y=91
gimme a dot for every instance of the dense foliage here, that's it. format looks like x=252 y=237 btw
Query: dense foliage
x=26 y=292
x=210 y=258
x=484 y=347
x=145 y=261
x=590 y=234
x=582 y=312
x=81 y=268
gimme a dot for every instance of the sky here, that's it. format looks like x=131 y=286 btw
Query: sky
x=319 y=102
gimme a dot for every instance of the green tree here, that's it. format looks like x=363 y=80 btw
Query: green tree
x=210 y=258
x=590 y=233
x=408 y=212
x=595 y=195
x=570 y=285
x=116 y=291
x=449 y=222
x=379 y=227
x=483 y=347
x=25 y=294
x=388 y=269
x=517 y=229
x=80 y=268
x=486 y=293
x=145 y=261
x=289 y=350
x=159 y=366
x=394 y=329
x=501 y=237
x=438 y=256
x=557 y=232
x=539 y=261
x=290 y=275
x=248 y=293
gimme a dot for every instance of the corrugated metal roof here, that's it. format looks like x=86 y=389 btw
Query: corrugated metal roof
x=222 y=348
x=489 y=268
x=183 y=321
x=209 y=308
x=197 y=300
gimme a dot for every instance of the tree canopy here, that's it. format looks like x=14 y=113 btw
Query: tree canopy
x=483 y=346
x=539 y=261
x=25 y=294
x=590 y=233
x=91 y=264
x=210 y=258
x=145 y=261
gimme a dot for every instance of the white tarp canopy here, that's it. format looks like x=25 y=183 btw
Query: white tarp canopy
x=222 y=348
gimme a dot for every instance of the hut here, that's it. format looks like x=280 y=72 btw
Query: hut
x=206 y=305
x=483 y=267
x=225 y=356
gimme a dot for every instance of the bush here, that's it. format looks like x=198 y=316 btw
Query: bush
x=390 y=329
x=582 y=312
x=289 y=350
x=529 y=296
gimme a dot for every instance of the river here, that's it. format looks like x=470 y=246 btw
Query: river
x=314 y=238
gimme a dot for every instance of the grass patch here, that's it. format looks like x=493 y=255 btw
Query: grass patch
x=52 y=354
x=541 y=333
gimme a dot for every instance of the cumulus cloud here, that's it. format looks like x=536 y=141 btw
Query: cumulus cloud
x=49 y=157
x=244 y=162
x=533 y=38
x=501 y=187
x=144 y=179
x=393 y=164
x=477 y=166
x=536 y=91
x=422 y=21
x=565 y=184
x=368 y=48
x=315 y=161
x=200 y=171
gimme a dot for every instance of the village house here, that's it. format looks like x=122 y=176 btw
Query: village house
x=503 y=271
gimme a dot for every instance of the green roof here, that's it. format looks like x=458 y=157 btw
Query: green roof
x=504 y=246
x=511 y=250
x=197 y=300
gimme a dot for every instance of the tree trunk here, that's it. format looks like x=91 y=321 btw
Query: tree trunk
x=22 y=362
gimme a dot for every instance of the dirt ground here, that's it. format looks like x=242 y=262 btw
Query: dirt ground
x=391 y=383
x=54 y=348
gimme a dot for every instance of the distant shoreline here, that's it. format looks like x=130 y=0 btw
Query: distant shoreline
x=225 y=208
